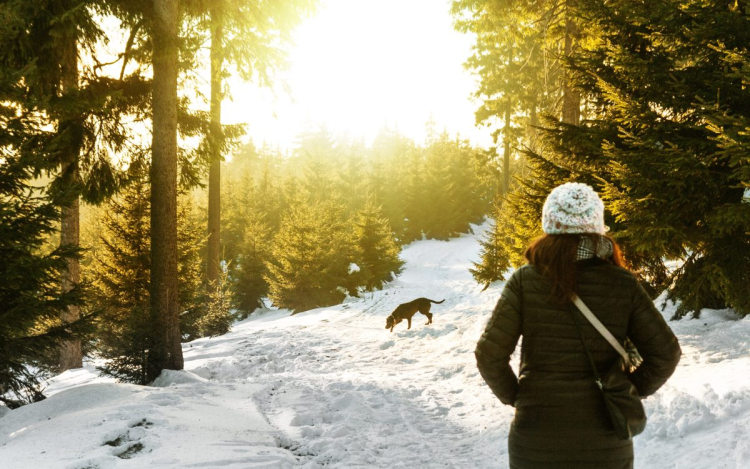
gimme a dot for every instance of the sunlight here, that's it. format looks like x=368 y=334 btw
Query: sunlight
x=360 y=65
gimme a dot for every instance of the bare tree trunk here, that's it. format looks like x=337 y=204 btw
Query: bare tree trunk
x=71 y=355
x=506 y=135
x=167 y=352
x=571 y=111
x=506 y=152
x=214 y=171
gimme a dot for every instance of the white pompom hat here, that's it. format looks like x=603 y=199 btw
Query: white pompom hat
x=573 y=208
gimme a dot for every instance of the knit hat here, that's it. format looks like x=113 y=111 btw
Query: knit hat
x=573 y=208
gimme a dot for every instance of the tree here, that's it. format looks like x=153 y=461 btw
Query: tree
x=32 y=299
x=666 y=82
x=310 y=258
x=164 y=298
x=218 y=317
x=121 y=278
x=249 y=35
x=521 y=53
x=665 y=108
x=191 y=241
x=393 y=170
x=42 y=41
x=375 y=249
x=250 y=285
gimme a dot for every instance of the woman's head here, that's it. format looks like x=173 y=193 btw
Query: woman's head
x=573 y=223
x=573 y=208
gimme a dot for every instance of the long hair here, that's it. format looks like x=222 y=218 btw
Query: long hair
x=555 y=257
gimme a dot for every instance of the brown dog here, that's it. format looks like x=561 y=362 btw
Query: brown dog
x=407 y=310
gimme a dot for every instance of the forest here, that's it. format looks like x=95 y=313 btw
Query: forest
x=133 y=220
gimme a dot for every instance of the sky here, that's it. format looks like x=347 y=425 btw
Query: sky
x=360 y=65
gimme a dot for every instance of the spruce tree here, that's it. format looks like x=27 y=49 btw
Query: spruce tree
x=416 y=197
x=375 y=250
x=121 y=279
x=191 y=241
x=250 y=285
x=121 y=276
x=388 y=181
x=31 y=294
x=307 y=264
x=252 y=39
x=666 y=104
x=218 y=317
x=437 y=204
x=666 y=80
x=43 y=42
x=351 y=182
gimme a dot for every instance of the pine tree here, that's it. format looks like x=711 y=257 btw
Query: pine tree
x=307 y=264
x=122 y=288
x=121 y=276
x=167 y=350
x=351 y=183
x=390 y=166
x=43 y=43
x=375 y=249
x=31 y=295
x=253 y=40
x=250 y=284
x=316 y=156
x=191 y=241
x=494 y=261
x=437 y=204
x=416 y=197
x=218 y=317
x=661 y=82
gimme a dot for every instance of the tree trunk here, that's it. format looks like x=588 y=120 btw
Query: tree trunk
x=571 y=111
x=71 y=355
x=506 y=152
x=506 y=135
x=167 y=352
x=215 y=137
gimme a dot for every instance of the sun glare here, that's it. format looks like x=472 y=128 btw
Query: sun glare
x=360 y=65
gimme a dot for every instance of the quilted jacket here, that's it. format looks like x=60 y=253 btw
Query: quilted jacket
x=560 y=417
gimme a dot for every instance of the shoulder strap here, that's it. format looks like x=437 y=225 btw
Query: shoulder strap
x=600 y=327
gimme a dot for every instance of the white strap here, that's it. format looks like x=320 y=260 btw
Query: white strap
x=600 y=327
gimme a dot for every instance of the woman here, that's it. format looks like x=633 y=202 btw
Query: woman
x=560 y=419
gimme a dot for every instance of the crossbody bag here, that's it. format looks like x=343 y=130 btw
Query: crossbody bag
x=621 y=398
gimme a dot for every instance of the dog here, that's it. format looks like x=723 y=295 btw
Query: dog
x=407 y=310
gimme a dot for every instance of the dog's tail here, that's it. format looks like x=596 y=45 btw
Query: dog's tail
x=433 y=301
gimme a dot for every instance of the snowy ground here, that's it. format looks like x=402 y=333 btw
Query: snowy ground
x=332 y=387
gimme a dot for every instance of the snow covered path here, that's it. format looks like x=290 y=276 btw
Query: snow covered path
x=344 y=391
x=333 y=388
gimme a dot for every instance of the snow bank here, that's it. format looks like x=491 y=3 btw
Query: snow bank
x=333 y=388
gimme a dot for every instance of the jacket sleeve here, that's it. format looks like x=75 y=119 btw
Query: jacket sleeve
x=656 y=343
x=498 y=342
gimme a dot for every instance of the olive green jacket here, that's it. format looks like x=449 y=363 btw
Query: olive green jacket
x=554 y=370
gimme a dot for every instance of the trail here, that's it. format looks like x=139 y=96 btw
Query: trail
x=346 y=392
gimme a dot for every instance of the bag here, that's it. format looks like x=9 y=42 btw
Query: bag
x=621 y=399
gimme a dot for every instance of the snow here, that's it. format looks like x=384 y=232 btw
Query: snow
x=332 y=387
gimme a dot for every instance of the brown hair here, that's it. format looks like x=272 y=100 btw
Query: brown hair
x=555 y=256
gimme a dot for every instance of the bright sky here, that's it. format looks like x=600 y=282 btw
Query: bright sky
x=359 y=65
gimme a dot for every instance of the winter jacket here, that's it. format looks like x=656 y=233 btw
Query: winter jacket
x=560 y=419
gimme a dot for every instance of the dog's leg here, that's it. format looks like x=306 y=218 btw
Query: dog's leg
x=429 y=318
x=409 y=319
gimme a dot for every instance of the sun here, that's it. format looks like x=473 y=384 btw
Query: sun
x=360 y=65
